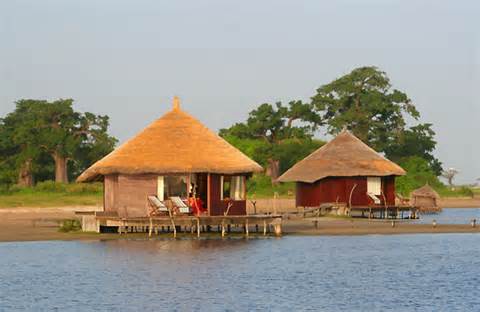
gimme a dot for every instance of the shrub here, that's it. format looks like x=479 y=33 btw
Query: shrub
x=418 y=173
x=70 y=226
x=84 y=188
x=261 y=186
x=51 y=186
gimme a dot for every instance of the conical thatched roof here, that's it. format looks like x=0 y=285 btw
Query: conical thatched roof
x=175 y=143
x=344 y=156
x=425 y=191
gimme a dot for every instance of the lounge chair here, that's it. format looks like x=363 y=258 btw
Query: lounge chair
x=180 y=205
x=157 y=205
x=375 y=198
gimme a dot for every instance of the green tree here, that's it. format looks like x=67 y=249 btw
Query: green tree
x=364 y=102
x=419 y=172
x=416 y=141
x=19 y=146
x=38 y=127
x=272 y=129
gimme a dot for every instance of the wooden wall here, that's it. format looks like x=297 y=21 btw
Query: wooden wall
x=218 y=206
x=131 y=194
x=110 y=189
x=334 y=189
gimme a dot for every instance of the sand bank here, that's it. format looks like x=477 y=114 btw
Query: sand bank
x=32 y=224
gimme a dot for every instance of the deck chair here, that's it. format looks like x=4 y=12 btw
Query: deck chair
x=179 y=204
x=157 y=205
x=375 y=198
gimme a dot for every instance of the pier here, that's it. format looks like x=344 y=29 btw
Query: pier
x=95 y=221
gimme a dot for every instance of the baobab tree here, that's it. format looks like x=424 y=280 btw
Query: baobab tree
x=449 y=174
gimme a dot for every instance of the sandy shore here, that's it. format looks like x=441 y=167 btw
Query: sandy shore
x=38 y=224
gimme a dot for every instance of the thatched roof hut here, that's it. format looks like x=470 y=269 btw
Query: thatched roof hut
x=175 y=156
x=425 y=199
x=175 y=143
x=344 y=156
x=344 y=170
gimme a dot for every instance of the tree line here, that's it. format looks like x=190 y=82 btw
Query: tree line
x=43 y=140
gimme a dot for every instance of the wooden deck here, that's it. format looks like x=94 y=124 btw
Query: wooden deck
x=96 y=221
x=382 y=212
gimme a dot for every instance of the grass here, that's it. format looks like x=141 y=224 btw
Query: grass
x=51 y=194
x=38 y=199
x=462 y=191
x=260 y=186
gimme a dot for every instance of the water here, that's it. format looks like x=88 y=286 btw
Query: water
x=452 y=216
x=294 y=273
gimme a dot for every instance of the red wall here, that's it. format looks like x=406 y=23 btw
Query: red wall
x=218 y=206
x=334 y=189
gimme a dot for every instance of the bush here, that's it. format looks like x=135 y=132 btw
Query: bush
x=418 y=173
x=70 y=226
x=261 y=186
x=84 y=188
x=51 y=187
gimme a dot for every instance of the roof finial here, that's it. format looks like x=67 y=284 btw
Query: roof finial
x=176 y=103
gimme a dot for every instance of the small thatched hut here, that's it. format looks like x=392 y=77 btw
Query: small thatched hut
x=425 y=199
x=174 y=156
x=344 y=170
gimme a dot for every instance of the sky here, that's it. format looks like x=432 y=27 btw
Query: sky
x=127 y=59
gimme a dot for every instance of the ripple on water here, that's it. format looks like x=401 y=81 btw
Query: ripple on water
x=345 y=273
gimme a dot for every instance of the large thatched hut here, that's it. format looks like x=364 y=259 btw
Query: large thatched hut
x=174 y=156
x=425 y=199
x=345 y=170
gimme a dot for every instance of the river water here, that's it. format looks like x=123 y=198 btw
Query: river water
x=295 y=273
x=452 y=216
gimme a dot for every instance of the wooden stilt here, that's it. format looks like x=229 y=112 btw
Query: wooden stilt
x=264 y=227
x=150 y=228
x=198 y=227
x=246 y=227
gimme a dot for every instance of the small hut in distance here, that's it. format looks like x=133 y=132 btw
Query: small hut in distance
x=425 y=199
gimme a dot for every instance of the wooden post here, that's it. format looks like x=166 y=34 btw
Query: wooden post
x=275 y=197
x=246 y=227
x=198 y=227
x=150 y=228
x=264 y=227
x=170 y=214
x=277 y=227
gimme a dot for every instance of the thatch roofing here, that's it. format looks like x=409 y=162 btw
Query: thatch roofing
x=175 y=143
x=344 y=156
x=425 y=191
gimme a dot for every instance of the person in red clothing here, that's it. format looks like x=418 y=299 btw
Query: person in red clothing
x=197 y=205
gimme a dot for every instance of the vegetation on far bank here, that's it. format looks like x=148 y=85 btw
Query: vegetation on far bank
x=51 y=194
